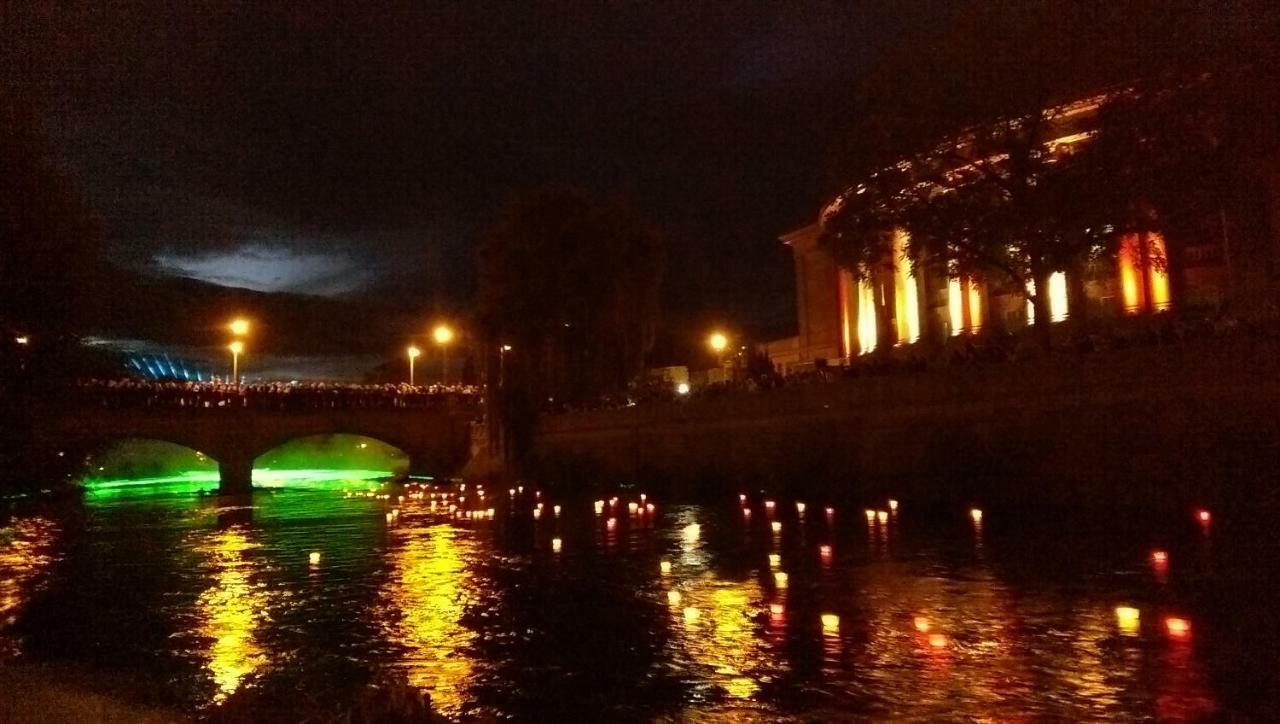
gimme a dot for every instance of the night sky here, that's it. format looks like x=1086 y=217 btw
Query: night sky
x=315 y=148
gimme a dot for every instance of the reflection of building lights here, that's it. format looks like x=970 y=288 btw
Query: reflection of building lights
x=882 y=517
x=830 y=622
x=777 y=609
x=893 y=505
x=800 y=508
x=921 y=624
x=664 y=567
x=673 y=597
x=1127 y=618
x=776 y=526
x=691 y=614
x=780 y=579
x=976 y=514
x=775 y=560
x=555 y=545
x=691 y=532
x=937 y=640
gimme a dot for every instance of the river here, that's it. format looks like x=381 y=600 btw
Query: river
x=687 y=611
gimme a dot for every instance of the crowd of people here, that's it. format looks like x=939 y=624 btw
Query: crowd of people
x=217 y=394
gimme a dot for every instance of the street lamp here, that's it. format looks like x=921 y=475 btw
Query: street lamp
x=413 y=354
x=236 y=348
x=443 y=335
x=239 y=327
x=718 y=341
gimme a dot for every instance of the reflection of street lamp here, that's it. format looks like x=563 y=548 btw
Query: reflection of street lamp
x=236 y=348
x=413 y=354
x=239 y=327
x=443 y=335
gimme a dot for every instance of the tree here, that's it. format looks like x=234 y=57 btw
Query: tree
x=570 y=283
x=957 y=146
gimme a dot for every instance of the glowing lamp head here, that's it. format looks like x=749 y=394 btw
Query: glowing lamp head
x=800 y=508
x=1178 y=628
x=236 y=347
x=682 y=388
x=239 y=327
x=1127 y=618
x=442 y=334
x=1159 y=558
x=717 y=341
x=314 y=558
x=22 y=339
x=776 y=526
x=506 y=348
x=555 y=545
x=414 y=352
x=1203 y=515
x=976 y=514
x=893 y=505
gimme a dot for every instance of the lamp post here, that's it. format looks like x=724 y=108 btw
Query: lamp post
x=236 y=348
x=413 y=355
x=443 y=335
x=718 y=342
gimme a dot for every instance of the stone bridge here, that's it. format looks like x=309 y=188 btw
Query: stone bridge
x=436 y=439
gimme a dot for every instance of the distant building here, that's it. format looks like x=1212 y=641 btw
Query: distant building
x=1234 y=265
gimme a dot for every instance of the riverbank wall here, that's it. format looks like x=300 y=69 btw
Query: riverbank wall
x=1152 y=426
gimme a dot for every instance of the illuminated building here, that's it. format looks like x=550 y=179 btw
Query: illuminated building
x=842 y=314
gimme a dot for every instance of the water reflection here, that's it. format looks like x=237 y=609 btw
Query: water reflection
x=26 y=551
x=427 y=594
x=230 y=610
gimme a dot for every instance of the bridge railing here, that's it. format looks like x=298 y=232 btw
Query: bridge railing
x=129 y=394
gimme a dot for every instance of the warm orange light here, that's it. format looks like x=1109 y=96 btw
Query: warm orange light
x=1159 y=557
x=664 y=567
x=239 y=327
x=555 y=545
x=673 y=597
x=314 y=558
x=824 y=551
x=691 y=614
x=556 y=510
x=975 y=306
x=800 y=508
x=1203 y=515
x=775 y=560
x=413 y=352
x=871 y=515
x=882 y=516
x=777 y=526
x=906 y=297
x=442 y=334
x=976 y=514
x=768 y=504
x=236 y=347
x=780 y=579
x=893 y=505
x=1178 y=628
x=937 y=640
x=830 y=622
x=717 y=341
x=921 y=623
x=867 y=331
x=955 y=306
x=1127 y=618
x=777 y=609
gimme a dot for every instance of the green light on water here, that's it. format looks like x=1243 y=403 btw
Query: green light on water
x=197 y=481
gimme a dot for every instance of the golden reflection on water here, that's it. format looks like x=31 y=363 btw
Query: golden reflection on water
x=26 y=550
x=712 y=619
x=427 y=593
x=230 y=611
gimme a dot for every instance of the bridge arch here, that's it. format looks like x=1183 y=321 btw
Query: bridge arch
x=120 y=460
x=360 y=453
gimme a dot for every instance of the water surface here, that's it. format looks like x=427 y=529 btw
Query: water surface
x=926 y=616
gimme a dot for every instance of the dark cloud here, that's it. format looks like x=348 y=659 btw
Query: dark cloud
x=384 y=136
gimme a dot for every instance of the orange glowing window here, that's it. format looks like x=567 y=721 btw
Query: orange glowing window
x=1144 y=281
x=907 y=302
x=866 y=317
x=846 y=311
